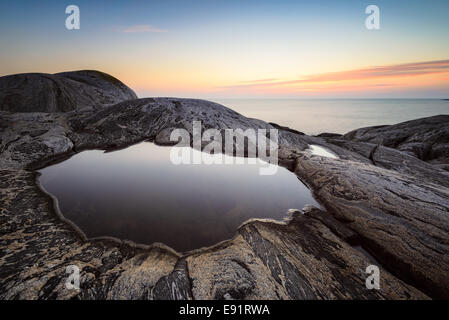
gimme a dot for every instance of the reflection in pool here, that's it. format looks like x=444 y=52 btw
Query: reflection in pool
x=138 y=194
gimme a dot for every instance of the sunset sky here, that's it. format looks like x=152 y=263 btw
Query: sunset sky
x=244 y=48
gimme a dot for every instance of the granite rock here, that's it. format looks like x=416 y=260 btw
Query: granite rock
x=379 y=205
x=61 y=92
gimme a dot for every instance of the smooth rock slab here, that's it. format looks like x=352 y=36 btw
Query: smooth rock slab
x=396 y=206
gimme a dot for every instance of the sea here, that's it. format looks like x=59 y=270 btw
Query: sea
x=314 y=116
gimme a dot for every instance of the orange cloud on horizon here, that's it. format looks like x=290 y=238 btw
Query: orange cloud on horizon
x=399 y=75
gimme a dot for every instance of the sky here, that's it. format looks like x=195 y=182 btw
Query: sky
x=238 y=49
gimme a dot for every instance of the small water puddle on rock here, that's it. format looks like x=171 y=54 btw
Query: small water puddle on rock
x=138 y=194
x=322 y=152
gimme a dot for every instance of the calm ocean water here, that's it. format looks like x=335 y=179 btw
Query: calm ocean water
x=339 y=115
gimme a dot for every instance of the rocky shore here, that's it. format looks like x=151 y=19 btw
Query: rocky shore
x=385 y=201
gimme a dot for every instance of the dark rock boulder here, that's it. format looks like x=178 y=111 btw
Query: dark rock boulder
x=286 y=128
x=426 y=138
x=61 y=92
x=329 y=135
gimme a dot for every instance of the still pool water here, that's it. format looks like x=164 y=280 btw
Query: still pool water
x=140 y=195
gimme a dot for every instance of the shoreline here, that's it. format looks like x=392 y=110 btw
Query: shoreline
x=380 y=195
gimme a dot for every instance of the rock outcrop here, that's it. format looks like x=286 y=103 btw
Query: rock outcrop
x=380 y=205
x=426 y=139
x=61 y=92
